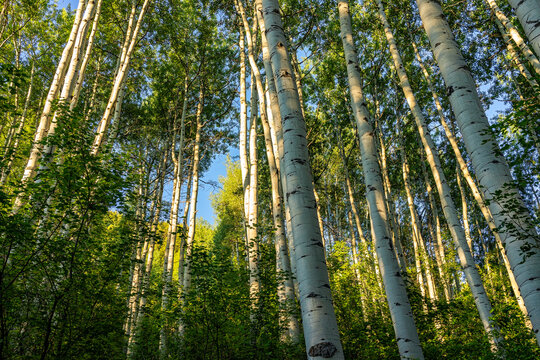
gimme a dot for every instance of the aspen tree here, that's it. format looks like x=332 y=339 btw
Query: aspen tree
x=320 y=326
x=74 y=67
x=472 y=185
x=396 y=293
x=119 y=80
x=472 y=275
x=149 y=257
x=194 y=191
x=508 y=30
x=285 y=290
x=274 y=117
x=528 y=13
x=168 y=260
x=506 y=206
x=416 y=234
x=44 y=122
x=86 y=58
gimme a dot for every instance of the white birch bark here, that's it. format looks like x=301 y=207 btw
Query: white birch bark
x=72 y=70
x=416 y=235
x=528 y=13
x=320 y=326
x=506 y=206
x=396 y=293
x=473 y=187
x=274 y=119
x=285 y=286
x=148 y=259
x=80 y=78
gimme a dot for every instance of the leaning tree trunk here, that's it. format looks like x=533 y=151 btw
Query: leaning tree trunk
x=396 y=293
x=507 y=208
x=528 y=13
x=320 y=326
x=508 y=30
x=44 y=122
x=103 y=125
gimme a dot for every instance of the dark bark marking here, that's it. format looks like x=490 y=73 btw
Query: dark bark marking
x=324 y=349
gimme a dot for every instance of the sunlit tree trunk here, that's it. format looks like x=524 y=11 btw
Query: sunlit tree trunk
x=396 y=293
x=86 y=58
x=320 y=326
x=509 y=31
x=528 y=13
x=285 y=286
x=148 y=259
x=44 y=122
x=274 y=121
x=119 y=80
x=73 y=69
x=506 y=206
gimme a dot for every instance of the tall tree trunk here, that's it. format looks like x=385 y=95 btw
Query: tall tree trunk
x=493 y=173
x=396 y=293
x=416 y=234
x=445 y=194
x=320 y=326
x=78 y=85
x=74 y=67
x=472 y=185
x=119 y=80
x=274 y=119
x=285 y=286
x=149 y=258
x=194 y=193
x=509 y=31
x=44 y=122
x=168 y=260
x=528 y=13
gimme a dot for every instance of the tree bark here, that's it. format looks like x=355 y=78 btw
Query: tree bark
x=472 y=275
x=320 y=326
x=509 y=213
x=528 y=13
x=101 y=132
x=396 y=293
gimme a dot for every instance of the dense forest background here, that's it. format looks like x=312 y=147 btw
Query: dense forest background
x=373 y=210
